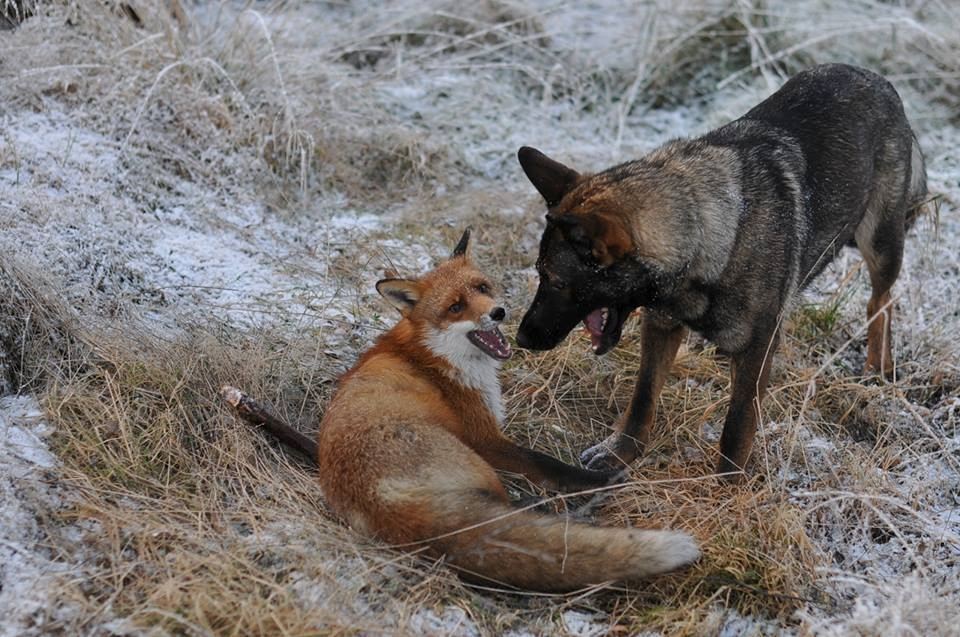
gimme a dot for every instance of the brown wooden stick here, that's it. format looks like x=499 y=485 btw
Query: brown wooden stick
x=257 y=415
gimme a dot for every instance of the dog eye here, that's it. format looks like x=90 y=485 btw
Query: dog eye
x=557 y=284
x=455 y=308
x=483 y=288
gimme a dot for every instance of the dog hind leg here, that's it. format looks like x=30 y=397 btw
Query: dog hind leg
x=880 y=237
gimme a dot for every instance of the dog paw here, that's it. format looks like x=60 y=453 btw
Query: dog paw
x=874 y=373
x=612 y=455
x=729 y=472
x=598 y=449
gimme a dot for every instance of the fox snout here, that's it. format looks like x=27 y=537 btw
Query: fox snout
x=493 y=318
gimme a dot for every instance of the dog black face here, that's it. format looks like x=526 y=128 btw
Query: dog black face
x=574 y=287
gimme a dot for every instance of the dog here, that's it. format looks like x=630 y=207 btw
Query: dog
x=720 y=233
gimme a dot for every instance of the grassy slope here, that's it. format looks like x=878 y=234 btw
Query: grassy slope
x=208 y=200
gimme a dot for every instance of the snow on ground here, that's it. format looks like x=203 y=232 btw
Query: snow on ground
x=207 y=250
x=241 y=263
x=31 y=573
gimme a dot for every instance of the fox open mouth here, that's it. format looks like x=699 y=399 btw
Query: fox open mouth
x=605 y=325
x=491 y=342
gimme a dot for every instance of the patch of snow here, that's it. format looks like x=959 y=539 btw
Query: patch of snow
x=198 y=254
x=910 y=605
x=32 y=574
x=733 y=624
x=583 y=624
x=363 y=222
x=452 y=620
x=56 y=155
x=23 y=431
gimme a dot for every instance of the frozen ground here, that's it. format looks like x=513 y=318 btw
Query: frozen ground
x=128 y=230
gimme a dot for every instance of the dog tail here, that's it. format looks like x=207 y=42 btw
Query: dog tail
x=527 y=550
x=917 y=193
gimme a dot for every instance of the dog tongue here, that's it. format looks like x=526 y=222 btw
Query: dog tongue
x=594 y=325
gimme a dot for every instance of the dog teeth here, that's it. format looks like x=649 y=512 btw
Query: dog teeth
x=603 y=323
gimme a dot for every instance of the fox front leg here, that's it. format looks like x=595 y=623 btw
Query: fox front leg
x=544 y=469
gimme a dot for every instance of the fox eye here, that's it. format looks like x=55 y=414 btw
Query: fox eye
x=455 y=308
x=483 y=288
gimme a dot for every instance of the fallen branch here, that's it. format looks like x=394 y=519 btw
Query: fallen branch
x=257 y=415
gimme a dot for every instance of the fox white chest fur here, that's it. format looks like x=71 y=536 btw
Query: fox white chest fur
x=474 y=369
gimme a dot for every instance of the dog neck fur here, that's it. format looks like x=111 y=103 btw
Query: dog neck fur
x=472 y=367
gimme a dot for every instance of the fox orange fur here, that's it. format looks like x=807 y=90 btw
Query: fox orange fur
x=410 y=445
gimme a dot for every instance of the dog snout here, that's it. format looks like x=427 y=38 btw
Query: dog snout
x=498 y=314
x=522 y=340
x=530 y=338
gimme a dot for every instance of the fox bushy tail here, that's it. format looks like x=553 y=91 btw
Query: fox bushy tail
x=552 y=553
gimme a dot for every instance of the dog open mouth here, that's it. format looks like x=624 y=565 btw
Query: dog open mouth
x=605 y=325
x=491 y=342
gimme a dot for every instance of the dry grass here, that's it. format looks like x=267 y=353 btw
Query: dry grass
x=184 y=522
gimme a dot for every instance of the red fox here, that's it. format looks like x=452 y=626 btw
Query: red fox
x=409 y=445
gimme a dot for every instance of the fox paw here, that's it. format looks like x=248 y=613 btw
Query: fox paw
x=586 y=479
x=612 y=455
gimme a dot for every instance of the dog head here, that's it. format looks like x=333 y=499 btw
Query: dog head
x=588 y=263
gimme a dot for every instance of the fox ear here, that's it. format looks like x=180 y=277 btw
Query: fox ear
x=463 y=246
x=551 y=178
x=402 y=294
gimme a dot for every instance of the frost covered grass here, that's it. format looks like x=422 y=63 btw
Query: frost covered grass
x=198 y=195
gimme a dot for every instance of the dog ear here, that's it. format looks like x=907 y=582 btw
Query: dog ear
x=402 y=294
x=551 y=178
x=593 y=236
x=463 y=246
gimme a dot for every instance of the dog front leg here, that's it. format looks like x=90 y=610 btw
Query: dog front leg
x=749 y=374
x=659 y=345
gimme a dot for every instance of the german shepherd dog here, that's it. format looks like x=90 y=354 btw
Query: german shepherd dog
x=718 y=234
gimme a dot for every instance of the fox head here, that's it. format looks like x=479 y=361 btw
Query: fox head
x=594 y=264
x=454 y=309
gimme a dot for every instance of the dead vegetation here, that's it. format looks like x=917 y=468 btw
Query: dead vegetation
x=186 y=522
